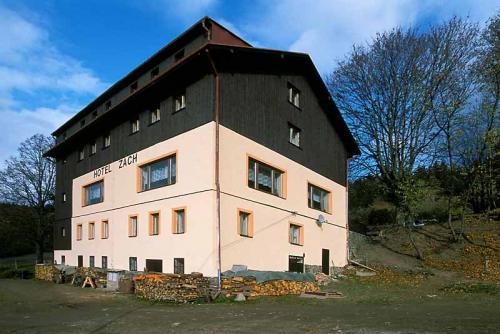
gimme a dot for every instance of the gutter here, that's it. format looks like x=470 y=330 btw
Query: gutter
x=217 y=167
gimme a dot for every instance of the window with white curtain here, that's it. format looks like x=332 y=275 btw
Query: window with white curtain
x=265 y=178
x=319 y=199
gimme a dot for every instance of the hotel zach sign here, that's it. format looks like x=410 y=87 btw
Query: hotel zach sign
x=123 y=162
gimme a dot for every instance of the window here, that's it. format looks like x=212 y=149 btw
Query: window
x=134 y=126
x=265 y=178
x=296 y=234
x=94 y=114
x=79 y=231
x=63 y=197
x=104 y=229
x=296 y=264
x=158 y=173
x=179 y=55
x=132 y=263
x=82 y=123
x=180 y=101
x=106 y=141
x=154 y=72
x=178 y=265
x=63 y=232
x=63 y=259
x=93 y=193
x=107 y=106
x=133 y=87
x=91 y=261
x=294 y=135
x=80 y=261
x=81 y=154
x=293 y=95
x=155 y=115
x=154 y=223
x=93 y=148
x=91 y=231
x=104 y=262
x=319 y=199
x=179 y=221
x=64 y=135
x=245 y=223
x=132 y=226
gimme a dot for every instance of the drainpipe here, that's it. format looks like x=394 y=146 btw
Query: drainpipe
x=217 y=164
x=347 y=207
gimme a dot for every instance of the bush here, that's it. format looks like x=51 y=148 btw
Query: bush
x=22 y=271
x=381 y=217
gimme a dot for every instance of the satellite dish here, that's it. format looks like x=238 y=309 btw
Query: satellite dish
x=321 y=219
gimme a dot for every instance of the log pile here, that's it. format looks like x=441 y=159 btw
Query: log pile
x=231 y=286
x=98 y=275
x=172 y=287
x=46 y=272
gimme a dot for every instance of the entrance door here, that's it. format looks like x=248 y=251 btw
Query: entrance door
x=325 y=261
x=80 y=261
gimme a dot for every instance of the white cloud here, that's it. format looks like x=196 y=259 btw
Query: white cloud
x=36 y=81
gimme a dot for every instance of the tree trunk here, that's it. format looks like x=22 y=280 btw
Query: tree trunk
x=450 y=225
x=39 y=251
x=420 y=256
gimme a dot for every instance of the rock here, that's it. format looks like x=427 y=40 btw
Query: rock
x=240 y=297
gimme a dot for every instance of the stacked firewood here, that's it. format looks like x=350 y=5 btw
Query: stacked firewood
x=97 y=274
x=46 y=272
x=249 y=287
x=172 y=287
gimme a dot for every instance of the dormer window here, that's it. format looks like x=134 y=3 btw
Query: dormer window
x=133 y=87
x=180 y=101
x=293 y=95
x=179 y=55
x=107 y=106
x=154 y=72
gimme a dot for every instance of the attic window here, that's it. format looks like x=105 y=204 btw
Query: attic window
x=94 y=114
x=179 y=55
x=154 y=72
x=133 y=87
x=82 y=123
x=108 y=105
x=293 y=95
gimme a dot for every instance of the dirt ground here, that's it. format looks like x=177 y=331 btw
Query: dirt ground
x=29 y=306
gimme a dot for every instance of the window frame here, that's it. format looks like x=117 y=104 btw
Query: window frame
x=133 y=87
x=88 y=185
x=176 y=266
x=155 y=71
x=151 y=226
x=93 y=148
x=79 y=232
x=301 y=233
x=273 y=168
x=298 y=131
x=135 y=125
x=64 y=197
x=130 y=229
x=250 y=226
x=103 y=262
x=293 y=92
x=156 y=110
x=105 y=229
x=183 y=101
x=148 y=163
x=63 y=232
x=130 y=263
x=81 y=153
x=175 y=221
x=108 y=105
x=91 y=261
x=309 y=197
x=91 y=230
x=106 y=140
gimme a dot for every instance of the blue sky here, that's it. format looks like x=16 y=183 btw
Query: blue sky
x=57 y=56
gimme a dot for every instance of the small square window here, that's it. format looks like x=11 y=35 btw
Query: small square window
x=179 y=221
x=180 y=101
x=107 y=106
x=91 y=261
x=132 y=263
x=296 y=234
x=294 y=135
x=134 y=126
x=155 y=114
x=133 y=87
x=132 y=226
x=154 y=223
x=293 y=95
x=81 y=154
x=179 y=266
x=106 y=142
x=154 y=72
x=79 y=231
x=93 y=148
x=179 y=55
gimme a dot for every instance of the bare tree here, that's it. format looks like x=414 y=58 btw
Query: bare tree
x=28 y=179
